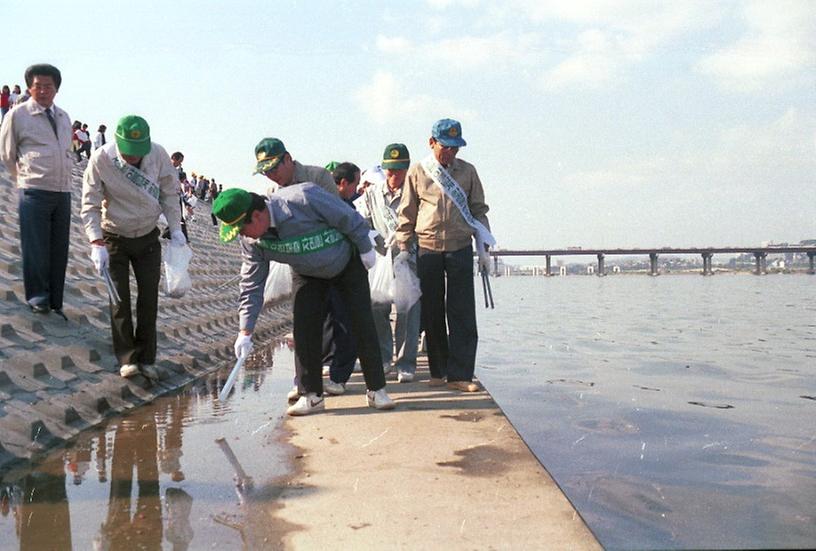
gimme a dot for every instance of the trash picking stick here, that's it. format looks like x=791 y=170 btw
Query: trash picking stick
x=489 y=291
x=112 y=292
x=484 y=286
x=231 y=379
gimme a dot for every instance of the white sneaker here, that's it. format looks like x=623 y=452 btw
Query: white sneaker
x=404 y=376
x=335 y=389
x=326 y=370
x=306 y=404
x=378 y=399
x=388 y=369
x=129 y=370
x=293 y=394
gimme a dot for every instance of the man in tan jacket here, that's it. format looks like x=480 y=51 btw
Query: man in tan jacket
x=128 y=184
x=35 y=146
x=443 y=222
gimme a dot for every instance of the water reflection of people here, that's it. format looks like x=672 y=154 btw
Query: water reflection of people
x=171 y=419
x=43 y=518
x=134 y=447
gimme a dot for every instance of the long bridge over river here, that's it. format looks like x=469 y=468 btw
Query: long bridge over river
x=760 y=255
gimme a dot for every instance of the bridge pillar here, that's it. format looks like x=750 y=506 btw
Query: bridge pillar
x=653 y=264
x=811 y=257
x=707 y=264
x=547 y=273
x=601 y=269
x=761 y=263
x=495 y=265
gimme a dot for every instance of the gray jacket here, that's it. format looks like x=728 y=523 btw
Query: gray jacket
x=303 y=216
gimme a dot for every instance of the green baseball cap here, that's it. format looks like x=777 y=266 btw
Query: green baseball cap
x=231 y=207
x=133 y=136
x=332 y=165
x=268 y=154
x=396 y=157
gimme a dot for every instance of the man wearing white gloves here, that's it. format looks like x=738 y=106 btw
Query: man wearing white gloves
x=326 y=243
x=443 y=205
x=128 y=184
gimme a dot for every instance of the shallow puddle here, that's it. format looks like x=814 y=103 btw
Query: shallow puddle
x=185 y=471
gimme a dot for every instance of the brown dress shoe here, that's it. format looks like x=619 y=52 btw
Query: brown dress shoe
x=436 y=382
x=464 y=386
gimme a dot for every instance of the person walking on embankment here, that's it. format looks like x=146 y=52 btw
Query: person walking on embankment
x=35 y=146
x=128 y=184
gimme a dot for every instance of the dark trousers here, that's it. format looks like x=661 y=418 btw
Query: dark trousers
x=45 y=221
x=339 y=350
x=451 y=355
x=144 y=254
x=309 y=306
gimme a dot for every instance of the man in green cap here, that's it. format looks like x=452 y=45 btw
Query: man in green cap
x=326 y=244
x=379 y=205
x=134 y=179
x=277 y=164
x=443 y=207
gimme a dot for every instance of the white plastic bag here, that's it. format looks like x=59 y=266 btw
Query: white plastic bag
x=381 y=280
x=406 y=283
x=176 y=277
x=278 y=282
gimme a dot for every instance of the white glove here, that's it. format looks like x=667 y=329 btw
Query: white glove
x=177 y=238
x=484 y=262
x=243 y=345
x=99 y=255
x=369 y=259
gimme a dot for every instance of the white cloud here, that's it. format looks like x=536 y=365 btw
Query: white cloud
x=764 y=155
x=612 y=36
x=474 y=52
x=780 y=41
x=393 y=45
x=444 y=4
x=385 y=99
x=465 y=52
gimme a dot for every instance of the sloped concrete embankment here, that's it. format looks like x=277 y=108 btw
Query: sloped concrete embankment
x=59 y=377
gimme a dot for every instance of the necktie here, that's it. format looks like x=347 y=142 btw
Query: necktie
x=53 y=122
x=103 y=139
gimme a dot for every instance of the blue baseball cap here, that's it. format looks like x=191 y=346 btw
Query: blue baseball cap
x=448 y=132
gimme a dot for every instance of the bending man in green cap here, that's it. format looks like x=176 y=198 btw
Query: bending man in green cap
x=135 y=180
x=326 y=243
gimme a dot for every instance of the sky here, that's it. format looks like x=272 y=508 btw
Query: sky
x=593 y=124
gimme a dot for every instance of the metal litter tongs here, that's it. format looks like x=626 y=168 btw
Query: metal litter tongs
x=112 y=292
x=488 y=292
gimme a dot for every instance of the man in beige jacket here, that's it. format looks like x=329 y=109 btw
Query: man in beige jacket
x=128 y=184
x=35 y=146
x=444 y=219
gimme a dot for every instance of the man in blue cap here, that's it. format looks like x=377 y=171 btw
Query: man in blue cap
x=443 y=205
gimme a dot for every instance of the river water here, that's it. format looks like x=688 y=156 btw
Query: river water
x=674 y=412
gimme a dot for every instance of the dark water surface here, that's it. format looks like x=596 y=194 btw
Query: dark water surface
x=159 y=478
x=675 y=412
